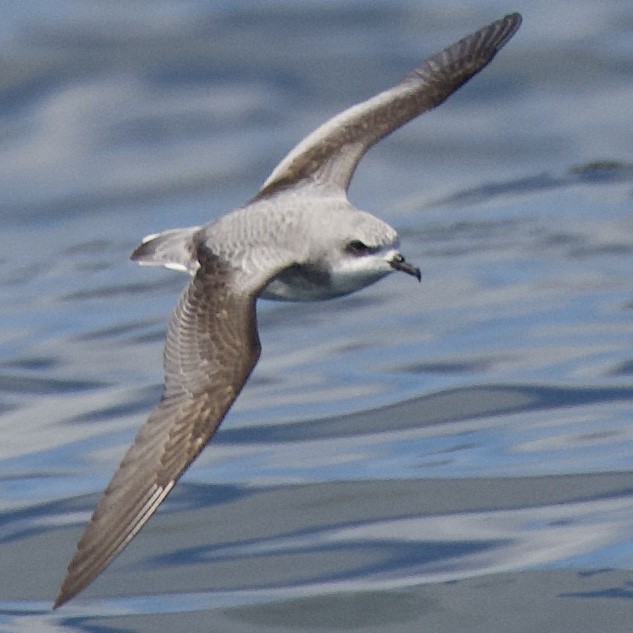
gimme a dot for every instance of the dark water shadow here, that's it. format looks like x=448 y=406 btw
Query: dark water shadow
x=450 y=405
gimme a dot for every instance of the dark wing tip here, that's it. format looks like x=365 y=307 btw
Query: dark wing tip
x=479 y=48
x=105 y=537
x=492 y=38
x=501 y=31
x=488 y=41
x=62 y=598
x=513 y=20
x=446 y=71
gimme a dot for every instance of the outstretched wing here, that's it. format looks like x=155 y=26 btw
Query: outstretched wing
x=212 y=346
x=329 y=155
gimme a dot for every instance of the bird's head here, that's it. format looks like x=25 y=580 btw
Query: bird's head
x=366 y=249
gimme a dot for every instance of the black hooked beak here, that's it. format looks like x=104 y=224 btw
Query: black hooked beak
x=398 y=263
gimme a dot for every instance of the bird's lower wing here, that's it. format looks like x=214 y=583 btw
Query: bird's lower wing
x=212 y=346
x=329 y=155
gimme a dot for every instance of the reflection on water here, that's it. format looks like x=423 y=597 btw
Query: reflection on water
x=438 y=457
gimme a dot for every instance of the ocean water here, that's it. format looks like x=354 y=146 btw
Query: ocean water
x=455 y=455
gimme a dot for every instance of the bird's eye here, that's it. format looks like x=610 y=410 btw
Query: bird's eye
x=356 y=247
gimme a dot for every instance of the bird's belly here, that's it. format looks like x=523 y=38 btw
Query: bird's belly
x=298 y=288
x=307 y=283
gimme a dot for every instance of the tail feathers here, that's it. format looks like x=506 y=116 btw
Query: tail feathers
x=172 y=249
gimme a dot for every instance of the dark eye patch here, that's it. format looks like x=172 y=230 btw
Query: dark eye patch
x=356 y=247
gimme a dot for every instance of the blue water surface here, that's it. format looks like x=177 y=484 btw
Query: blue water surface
x=450 y=456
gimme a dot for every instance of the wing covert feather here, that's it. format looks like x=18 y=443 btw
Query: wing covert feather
x=211 y=348
x=328 y=156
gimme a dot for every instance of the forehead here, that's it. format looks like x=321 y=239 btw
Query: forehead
x=372 y=230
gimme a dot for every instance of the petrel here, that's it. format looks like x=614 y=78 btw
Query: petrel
x=298 y=239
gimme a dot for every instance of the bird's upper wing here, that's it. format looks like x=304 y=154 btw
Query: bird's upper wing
x=212 y=346
x=329 y=155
